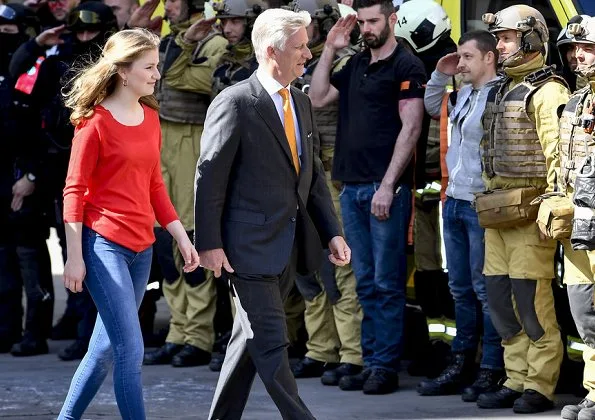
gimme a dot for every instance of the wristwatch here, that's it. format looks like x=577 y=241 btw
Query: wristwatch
x=30 y=177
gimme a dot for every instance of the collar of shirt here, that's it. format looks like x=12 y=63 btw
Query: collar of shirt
x=272 y=87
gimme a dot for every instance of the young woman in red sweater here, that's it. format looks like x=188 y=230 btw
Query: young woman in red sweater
x=114 y=192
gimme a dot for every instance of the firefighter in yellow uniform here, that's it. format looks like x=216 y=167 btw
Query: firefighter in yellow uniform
x=188 y=56
x=333 y=315
x=576 y=125
x=520 y=158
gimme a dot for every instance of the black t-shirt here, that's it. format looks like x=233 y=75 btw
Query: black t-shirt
x=369 y=121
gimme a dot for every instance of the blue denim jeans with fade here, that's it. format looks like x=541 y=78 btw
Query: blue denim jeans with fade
x=116 y=278
x=379 y=262
x=464 y=244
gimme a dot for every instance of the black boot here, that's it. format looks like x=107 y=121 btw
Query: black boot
x=488 y=380
x=503 y=398
x=163 y=355
x=191 y=356
x=532 y=402
x=308 y=368
x=76 y=351
x=333 y=376
x=452 y=379
x=571 y=412
x=29 y=347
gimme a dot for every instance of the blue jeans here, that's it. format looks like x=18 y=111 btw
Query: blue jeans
x=465 y=249
x=379 y=262
x=116 y=278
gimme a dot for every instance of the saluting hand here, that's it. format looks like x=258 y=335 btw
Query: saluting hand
x=51 y=37
x=449 y=64
x=141 y=17
x=215 y=260
x=199 y=30
x=340 y=253
x=338 y=36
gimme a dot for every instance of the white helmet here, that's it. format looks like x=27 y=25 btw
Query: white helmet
x=565 y=37
x=346 y=10
x=422 y=23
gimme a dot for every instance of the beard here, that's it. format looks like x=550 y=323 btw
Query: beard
x=375 y=42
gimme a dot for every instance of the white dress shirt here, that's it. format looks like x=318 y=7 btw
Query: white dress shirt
x=272 y=87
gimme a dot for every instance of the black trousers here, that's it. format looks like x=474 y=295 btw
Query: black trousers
x=258 y=344
x=28 y=266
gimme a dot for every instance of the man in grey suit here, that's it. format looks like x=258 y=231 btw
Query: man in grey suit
x=263 y=210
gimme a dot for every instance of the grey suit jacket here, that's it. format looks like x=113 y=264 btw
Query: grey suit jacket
x=249 y=199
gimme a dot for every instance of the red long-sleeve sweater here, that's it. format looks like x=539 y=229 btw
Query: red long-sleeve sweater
x=114 y=184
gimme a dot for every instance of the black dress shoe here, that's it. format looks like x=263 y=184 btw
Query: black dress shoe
x=355 y=382
x=571 y=412
x=191 y=356
x=532 y=402
x=503 y=398
x=380 y=382
x=29 y=348
x=452 y=379
x=308 y=368
x=163 y=355
x=75 y=351
x=488 y=380
x=333 y=376
x=216 y=362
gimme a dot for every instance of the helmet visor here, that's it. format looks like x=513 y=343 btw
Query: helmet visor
x=82 y=18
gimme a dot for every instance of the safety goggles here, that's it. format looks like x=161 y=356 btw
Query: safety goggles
x=84 y=17
x=7 y=13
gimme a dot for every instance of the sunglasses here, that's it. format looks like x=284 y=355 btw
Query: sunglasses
x=86 y=17
x=7 y=13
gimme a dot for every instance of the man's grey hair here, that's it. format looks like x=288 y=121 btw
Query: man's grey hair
x=273 y=27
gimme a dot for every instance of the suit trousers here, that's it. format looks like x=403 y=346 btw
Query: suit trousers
x=259 y=344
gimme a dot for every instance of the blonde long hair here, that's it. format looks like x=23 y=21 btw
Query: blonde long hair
x=99 y=79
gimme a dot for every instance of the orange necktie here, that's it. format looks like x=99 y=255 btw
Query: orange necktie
x=290 y=128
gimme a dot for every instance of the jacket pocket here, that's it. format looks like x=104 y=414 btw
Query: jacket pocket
x=246 y=216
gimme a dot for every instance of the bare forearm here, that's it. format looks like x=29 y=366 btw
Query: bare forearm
x=402 y=154
x=74 y=240
x=176 y=229
x=321 y=84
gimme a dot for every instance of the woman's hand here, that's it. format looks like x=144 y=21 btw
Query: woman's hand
x=189 y=254
x=74 y=274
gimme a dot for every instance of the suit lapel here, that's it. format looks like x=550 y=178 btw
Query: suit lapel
x=266 y=109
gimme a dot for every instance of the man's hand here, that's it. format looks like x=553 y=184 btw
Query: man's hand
x=338 y=36
x=50 y=37
x=381 y=202
x=21 y=189
x=340 y=253
x=141 y=17
x=214 y=260
x=199 y=30
x=449 y=64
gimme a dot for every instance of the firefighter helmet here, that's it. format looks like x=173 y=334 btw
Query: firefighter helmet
x=422 y=23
